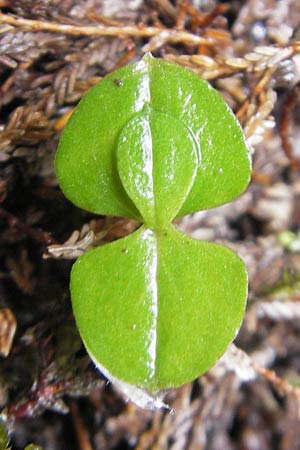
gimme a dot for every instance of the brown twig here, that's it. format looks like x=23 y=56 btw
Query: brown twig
x=8 y=326
x=34 y=233
x=258 y=89
x=10 y=80
x=284 y=127
x=172 y=35
x=130 y=51
x=81 y=433
x=204 y=20
x=246 y=368
x=282 y=385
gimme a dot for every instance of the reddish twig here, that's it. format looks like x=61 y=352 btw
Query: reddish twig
x=204 y=20
x=130 y=52
x=283 y=386
x=41 y=395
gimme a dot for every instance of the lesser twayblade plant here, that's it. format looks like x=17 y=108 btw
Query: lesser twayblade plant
x=154 y=142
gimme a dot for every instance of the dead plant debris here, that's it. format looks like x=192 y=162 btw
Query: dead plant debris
x=50 y=54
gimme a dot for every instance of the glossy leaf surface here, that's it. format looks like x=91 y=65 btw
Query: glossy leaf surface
x=152 y=141
x=165 y=316
x=225 y=166
x=88 y=160
x=157 y=169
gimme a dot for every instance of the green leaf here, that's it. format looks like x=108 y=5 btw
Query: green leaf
x=185 y=115
x=157 y=309
x=4 y=441
x=225 y=167
x=85 y=161
x=33 y=447
x=157 y=169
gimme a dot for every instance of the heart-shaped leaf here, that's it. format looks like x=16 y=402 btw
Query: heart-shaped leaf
x=157 y=169
x=157 y=308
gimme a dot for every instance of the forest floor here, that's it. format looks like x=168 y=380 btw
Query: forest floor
x=51 y=52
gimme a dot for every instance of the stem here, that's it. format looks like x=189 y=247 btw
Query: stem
x=103 y=30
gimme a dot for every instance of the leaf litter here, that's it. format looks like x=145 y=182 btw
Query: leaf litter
x=250 y=53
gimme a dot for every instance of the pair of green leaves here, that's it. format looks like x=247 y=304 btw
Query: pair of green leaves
x=153 y=142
